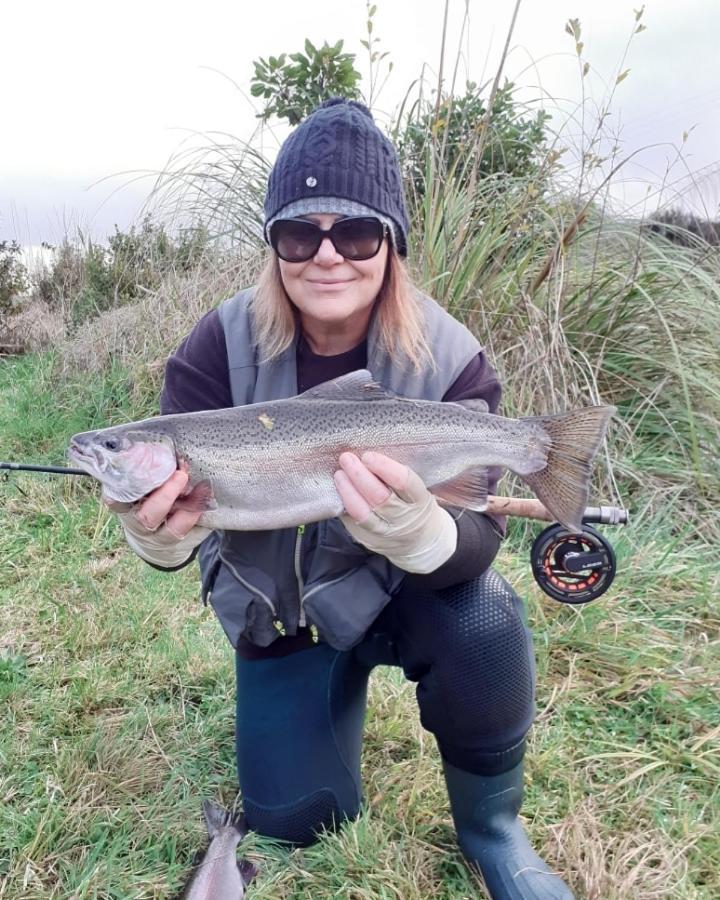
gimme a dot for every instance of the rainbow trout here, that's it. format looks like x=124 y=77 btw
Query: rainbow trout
x=219 y=875
x=270 y=465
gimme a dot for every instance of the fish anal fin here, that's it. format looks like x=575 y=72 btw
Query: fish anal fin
x=469 y=489
x=358 y=385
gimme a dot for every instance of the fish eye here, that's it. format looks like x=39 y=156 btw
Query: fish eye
x=111 y=444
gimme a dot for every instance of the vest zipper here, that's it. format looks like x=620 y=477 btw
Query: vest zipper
x=298 y=572
x=250 y=587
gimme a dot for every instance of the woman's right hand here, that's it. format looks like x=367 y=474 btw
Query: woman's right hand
x=156 y=529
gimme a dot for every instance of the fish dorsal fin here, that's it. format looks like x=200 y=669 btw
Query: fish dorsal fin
x=475 y=404
x=358 y=385
x=469 y=489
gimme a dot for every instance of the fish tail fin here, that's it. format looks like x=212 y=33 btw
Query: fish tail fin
x=239 y=823
x=216 y=818
x=563 y=485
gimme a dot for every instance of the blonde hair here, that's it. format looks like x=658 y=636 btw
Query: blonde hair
x=399 y=316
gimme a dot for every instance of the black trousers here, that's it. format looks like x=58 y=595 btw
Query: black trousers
x=300 y=716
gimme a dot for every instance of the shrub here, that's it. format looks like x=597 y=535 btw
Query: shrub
x=85 y=278
x=293 y=85
x=13 y=276
x=684 y=229
x=468 y=141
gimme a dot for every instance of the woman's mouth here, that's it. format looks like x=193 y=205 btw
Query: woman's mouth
x=329 y=285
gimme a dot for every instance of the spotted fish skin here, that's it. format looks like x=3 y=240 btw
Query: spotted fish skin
x=271 y=465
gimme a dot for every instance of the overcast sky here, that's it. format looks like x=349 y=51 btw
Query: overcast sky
x=93 y=90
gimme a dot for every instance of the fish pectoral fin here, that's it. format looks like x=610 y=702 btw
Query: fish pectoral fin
x=200 y=498
x=247 y=871
x=358 y=385
x=469 y=489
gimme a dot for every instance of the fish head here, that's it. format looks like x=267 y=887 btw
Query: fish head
x=130 y=462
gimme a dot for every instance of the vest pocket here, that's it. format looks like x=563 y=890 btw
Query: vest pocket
x=342 y=610
x=245 y=603
x=346 y=587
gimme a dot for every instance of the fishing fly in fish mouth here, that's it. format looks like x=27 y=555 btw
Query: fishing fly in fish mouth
x=327 y=442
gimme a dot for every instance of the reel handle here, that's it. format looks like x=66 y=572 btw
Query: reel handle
x=528 y=508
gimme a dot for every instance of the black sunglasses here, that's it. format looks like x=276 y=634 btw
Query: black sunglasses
x=356 y=238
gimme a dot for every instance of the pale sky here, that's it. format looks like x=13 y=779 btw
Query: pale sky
x=92 y=90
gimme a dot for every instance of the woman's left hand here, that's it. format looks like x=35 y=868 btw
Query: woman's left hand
x=390 y=511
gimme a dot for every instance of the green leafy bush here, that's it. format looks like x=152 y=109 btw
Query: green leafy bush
x=294 y=84
x=86 y=278
x=469 y=142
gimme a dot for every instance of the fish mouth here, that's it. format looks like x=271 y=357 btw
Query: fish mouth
x=83 y=456
x=76 y=451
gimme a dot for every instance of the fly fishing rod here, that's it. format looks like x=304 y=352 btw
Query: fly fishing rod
x=571 y=567
x=56 y=470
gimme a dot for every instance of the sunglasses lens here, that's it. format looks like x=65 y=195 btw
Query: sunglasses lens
x=295 y=241
x=358 y=237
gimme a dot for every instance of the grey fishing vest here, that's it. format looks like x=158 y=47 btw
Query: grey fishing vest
x=262 y=584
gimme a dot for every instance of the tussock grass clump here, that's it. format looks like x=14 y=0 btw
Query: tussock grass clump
x=35 y=327
x=577 y=307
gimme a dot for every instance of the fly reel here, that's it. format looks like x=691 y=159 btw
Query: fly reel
x=576 y=567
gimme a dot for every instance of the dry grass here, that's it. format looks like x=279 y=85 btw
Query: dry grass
x=639 y=863
x=36 y=326
x=143 y=333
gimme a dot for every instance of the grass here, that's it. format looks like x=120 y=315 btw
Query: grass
x=117 y=703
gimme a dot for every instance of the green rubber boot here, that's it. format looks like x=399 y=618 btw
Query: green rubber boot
x=484 y=809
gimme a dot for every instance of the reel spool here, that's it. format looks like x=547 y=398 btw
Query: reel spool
x=572 y=567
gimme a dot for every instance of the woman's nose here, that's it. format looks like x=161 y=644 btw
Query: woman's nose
x=327 y=254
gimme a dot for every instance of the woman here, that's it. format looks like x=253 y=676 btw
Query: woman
x=398 y=580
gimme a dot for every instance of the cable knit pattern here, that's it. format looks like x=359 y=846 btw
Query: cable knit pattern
x=338 y=151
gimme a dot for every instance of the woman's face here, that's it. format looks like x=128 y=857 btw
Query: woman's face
x=329 y=290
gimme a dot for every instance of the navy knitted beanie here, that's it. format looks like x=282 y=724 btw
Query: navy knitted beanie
x=339 y=152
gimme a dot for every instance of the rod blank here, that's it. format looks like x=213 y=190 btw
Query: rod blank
x=57 y=470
